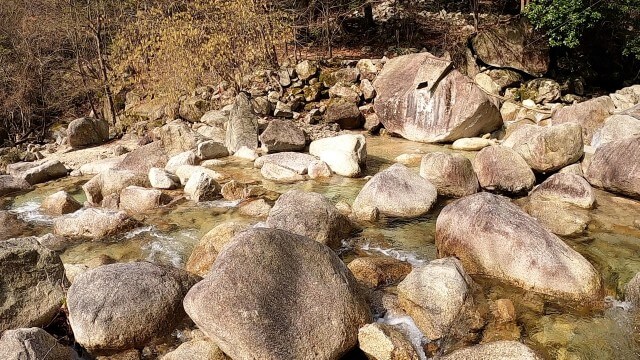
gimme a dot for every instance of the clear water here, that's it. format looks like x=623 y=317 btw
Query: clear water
x=612 y=244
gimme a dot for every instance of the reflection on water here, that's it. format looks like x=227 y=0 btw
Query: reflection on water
x=612 y=244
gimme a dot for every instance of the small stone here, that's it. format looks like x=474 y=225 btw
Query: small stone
x=183 y=158
x=257 y=208
x=246 y=154
x=211 y=150
x=202 y=187
x=319 y=169
x=409 y=159
x=162 y=179
x=234 y=190
x=275 y=172
x=283 y=110
x=59 y=203
x=380 y=341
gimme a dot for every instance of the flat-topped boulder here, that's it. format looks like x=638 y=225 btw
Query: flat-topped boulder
x=508 y=46
x=36 y=173
x=297 y=162
x=93 y=223
x=422 y=99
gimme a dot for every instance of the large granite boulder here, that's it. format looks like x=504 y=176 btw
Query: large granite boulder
x=36 y=173
x=312 y=215
x=142 y=159
x=422 y=99
x=494 y=238
x=87 y=131
x=616 y=127
x=297 y=162
x=136 y=199
x=59 y=203
x=93 y=223
x=242 y=128
x=32 y=282
x=590 y=114
x=275 y=295
x=508 y=46
x=177 y=136
x=451 y=174
x=124 y=306
x=10 y=184
x=33 y=344
x=282 y=135
x=395 y=192
x=112 y=182
x=503 y=170
x=345 y=154
x=210 y=245
x=548 y=149
x=566 y=188
x=614 y=167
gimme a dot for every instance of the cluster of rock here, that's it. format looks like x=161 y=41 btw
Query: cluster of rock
x=250 y=289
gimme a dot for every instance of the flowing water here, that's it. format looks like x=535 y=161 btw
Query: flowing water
x=612 y=244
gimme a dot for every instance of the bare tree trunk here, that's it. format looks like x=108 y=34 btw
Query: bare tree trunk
x=103 y=70
x=368 y=15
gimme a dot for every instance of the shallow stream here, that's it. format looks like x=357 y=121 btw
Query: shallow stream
x=612 y=244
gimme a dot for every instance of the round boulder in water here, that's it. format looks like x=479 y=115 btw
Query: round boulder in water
x=272 y=294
